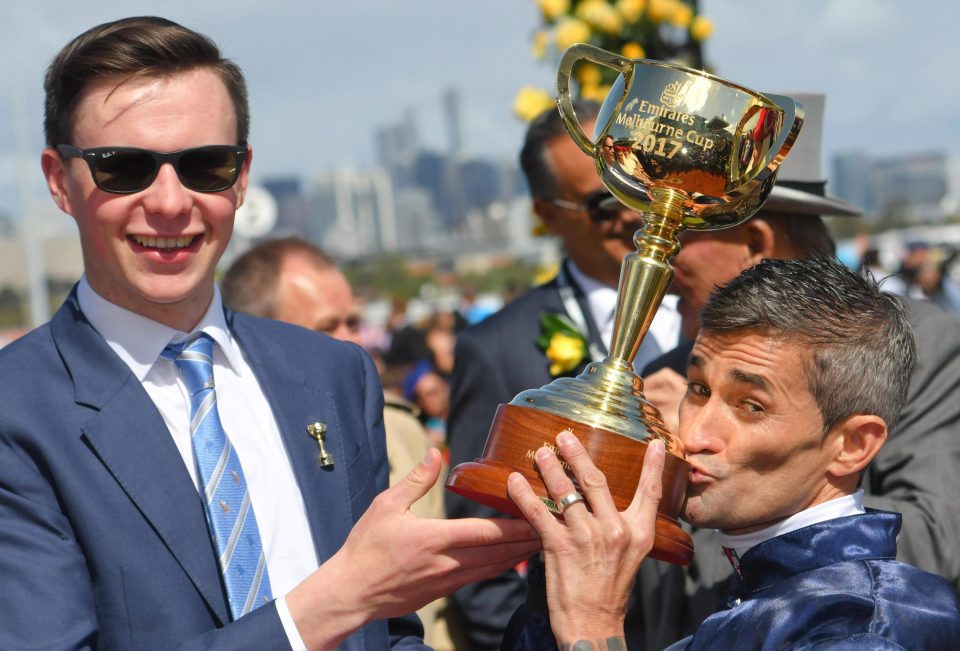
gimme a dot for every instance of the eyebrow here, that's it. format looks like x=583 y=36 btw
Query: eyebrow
x=751 y=378
x=696 y=361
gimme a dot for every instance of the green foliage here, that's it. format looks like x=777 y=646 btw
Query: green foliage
x=552 y=324
x=384 y=275
x=388 y=276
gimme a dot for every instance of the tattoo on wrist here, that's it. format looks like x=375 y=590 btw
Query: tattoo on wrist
x=606 y=644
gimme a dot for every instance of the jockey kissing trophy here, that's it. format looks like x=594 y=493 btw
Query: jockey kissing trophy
x=687 y=150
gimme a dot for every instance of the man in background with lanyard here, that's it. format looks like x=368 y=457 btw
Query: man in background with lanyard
x=552 y=330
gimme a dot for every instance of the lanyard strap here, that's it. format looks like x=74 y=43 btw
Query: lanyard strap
x=571 y=306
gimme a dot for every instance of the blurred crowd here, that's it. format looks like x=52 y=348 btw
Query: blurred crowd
x=920 y=269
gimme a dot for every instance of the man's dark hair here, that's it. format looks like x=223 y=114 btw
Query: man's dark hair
x=250 y=284
x=862 y=350
x=129 y=48
x=533 y=157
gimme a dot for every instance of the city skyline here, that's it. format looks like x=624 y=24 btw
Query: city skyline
x=324 y=77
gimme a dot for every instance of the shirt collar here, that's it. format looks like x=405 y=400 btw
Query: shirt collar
x=138 y=341
x=829 y=510
x=601 y=298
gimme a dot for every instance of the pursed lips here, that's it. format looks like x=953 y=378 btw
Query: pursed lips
x=698 y=475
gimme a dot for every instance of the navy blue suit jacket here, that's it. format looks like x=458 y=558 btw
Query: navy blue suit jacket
x=834 y=585
x=830 y=585
x=103 y=540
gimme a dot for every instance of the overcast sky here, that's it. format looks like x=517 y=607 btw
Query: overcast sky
x=324 y=75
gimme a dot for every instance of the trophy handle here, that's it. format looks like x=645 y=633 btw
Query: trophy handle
x=565 y=103
x=793 y=114
x=767 y=143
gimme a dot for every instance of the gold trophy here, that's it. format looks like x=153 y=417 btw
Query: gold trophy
x=687 y=150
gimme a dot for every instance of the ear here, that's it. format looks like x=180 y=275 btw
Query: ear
x=855 y=441
x=55 y=171
x=547 y=214
x=759 y=238
x=241 y=185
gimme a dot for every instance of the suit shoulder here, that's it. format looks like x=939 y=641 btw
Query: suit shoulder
x=27 y=352
x=34 y=380
x=38 y=337
x=900 y=584
x=918 y=581
x=929 y=320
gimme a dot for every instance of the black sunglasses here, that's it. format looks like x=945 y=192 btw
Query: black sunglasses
x=599 y=205
x=125 y=170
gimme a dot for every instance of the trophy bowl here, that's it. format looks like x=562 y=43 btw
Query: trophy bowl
x=687 y=150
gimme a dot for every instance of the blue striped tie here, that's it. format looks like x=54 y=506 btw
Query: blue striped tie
x=230 y=516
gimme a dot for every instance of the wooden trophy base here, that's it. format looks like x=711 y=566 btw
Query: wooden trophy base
x=518 y=432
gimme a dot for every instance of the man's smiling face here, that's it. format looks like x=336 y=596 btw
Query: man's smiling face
x=152 y=252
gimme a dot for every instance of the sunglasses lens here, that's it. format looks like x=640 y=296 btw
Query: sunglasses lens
x=209 y=169
x=596 y=206
x=123 y=171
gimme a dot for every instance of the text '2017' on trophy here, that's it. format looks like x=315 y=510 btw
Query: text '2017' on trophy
x=687 y=150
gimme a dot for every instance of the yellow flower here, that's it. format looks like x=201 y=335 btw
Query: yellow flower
x=701 y=28
x=633 y=51
x=561 y=341
x=601 y=15
x=545 y=274
x=588 y=73
x=565 y=353
x=630 y=10
x=570 y=31
x=659 y=10
x=594 y=92
x=553 y=9
x=531 y=102
x=541 y=40
x=682 y=15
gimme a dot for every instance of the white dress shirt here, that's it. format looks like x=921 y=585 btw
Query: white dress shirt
x=246 y=417
x=665 y=327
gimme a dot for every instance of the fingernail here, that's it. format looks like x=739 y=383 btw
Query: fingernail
x=427 y=457
x=565 y=437
x=656 y=447
x=542 y=453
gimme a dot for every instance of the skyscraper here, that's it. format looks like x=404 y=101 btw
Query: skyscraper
x=351 y=212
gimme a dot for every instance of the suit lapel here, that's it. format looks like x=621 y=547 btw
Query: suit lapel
x=295 y=404
x=130 y=438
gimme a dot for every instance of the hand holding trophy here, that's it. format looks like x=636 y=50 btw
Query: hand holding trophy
x=687 y=150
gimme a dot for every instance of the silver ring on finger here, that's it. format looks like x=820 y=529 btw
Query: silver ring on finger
x=569 y=500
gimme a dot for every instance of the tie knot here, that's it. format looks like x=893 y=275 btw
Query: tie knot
x=194 y=359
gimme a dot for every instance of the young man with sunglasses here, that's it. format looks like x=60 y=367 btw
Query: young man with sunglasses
x=172 y=474
x=500 y=357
